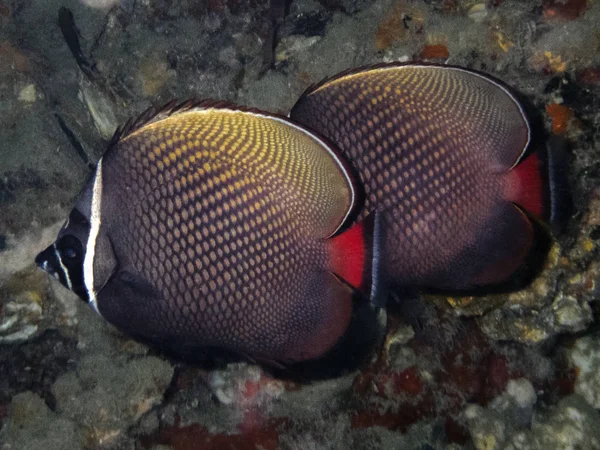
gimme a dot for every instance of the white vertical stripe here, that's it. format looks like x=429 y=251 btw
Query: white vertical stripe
x=63 y=268
x=90 y=250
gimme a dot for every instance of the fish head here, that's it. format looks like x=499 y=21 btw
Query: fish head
x=64 y=258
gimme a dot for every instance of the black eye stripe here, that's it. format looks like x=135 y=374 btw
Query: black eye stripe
x=67 y=262
x=77 y=217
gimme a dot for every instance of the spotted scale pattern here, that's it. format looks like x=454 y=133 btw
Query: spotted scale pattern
x=431 y=145
x=225 y=213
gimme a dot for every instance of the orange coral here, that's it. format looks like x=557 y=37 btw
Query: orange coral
x=436 y=51
x=561 y=115
x=12 y=58
x=4 y=10
x=564 y=10
x=391 y=29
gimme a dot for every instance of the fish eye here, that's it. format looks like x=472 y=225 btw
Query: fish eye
x=69 y=252
x=70 y=247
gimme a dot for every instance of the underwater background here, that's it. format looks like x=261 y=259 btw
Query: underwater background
x=504 y=370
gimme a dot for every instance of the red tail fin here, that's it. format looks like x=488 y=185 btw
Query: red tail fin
x=539 y=184
x=352 y=255
x=347 y=255
x=527 y=186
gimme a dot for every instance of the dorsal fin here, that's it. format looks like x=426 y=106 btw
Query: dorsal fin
x=508 y=140
x=174 y=107
x=385 y=65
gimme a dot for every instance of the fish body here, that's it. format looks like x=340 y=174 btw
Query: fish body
x=440 y=152
x=211 y=226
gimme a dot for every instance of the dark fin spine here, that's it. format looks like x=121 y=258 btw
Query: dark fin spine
x=527 y=186
x=354 y=257
x=71 y=35
x=561 y=202
x=501 y=264
x=74 y=141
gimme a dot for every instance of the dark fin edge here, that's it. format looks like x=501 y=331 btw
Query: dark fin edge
x=561 y=201
x=381 y=65
x=553 y=151
x=173 y=107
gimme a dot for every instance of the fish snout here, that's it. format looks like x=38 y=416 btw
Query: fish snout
x=46 y=260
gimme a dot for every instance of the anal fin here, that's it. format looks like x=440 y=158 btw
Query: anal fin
x=332 y=305
x=504 y=249
x=356 y=327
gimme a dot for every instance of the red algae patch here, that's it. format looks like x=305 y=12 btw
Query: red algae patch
x=4 y=10
x=564 y=10
x=470 y=370
x=589 y=76
x=196 y=436
x=12 y=58
x=435 y=51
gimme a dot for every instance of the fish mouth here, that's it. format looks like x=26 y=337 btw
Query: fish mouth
x=46 y=260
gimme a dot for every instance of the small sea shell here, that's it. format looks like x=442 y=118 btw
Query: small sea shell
x=100 y=4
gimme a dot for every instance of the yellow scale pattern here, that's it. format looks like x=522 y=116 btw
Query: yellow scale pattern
x=226 y=213
x=415 y=136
